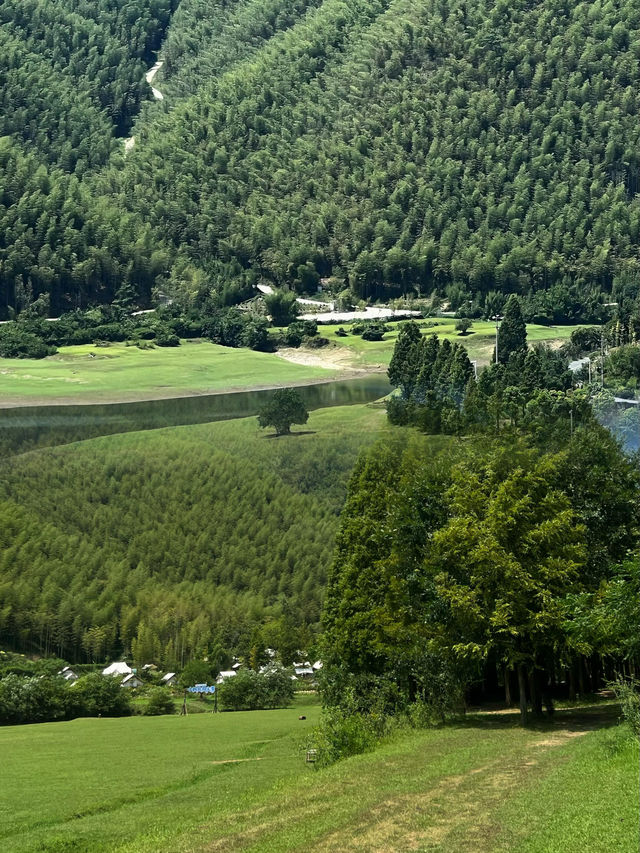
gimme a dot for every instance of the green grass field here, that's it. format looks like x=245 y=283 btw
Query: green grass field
x=99 y=374
x=119 y=373
x=231 y=782
x=480 y=341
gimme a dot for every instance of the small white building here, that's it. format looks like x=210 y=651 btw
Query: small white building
x=131 y=680
x=169 y=678
x=317 y=665
x=304 y=671
x=117 y=668
x=68 y=674
x=225 y=674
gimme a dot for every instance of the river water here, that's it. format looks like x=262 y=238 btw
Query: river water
x=25 y=428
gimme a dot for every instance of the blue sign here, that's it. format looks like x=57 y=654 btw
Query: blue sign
x=201 y=688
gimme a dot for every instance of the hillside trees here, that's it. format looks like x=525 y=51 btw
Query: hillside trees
x=509 y=553
x=162 y=543
x=467 y=561
x=390 y=146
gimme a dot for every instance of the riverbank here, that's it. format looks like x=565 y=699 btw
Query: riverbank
x=118 y=373
x=89 y=375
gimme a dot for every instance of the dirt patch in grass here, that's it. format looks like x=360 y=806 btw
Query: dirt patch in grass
x=331 y=358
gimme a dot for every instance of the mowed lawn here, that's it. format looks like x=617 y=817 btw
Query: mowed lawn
x=99 y=374
x=157 y=785
x=480 y=341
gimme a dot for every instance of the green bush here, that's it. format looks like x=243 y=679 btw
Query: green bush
x=16 y=342
x=101 y=696
x=316 y=343
x=167 y=339
x=342 y=733
x=160 y=702
x=253 y=691
x=627 y=692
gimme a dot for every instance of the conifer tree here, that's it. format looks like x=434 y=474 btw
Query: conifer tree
x=512 y=335
x=424 y=383
x=405 y=361
x=460 y=374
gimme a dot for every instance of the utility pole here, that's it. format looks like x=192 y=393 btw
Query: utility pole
x=602 y=359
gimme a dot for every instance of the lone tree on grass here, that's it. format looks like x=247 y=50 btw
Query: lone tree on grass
x=282 y=410
x=463 y=325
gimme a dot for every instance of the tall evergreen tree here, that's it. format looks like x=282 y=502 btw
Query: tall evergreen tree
x=406 y=359
x=512 y=334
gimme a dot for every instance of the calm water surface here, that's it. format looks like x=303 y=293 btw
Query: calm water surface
x=43 y=426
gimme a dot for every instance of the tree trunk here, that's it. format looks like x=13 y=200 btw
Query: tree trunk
x=507 y=687
x=522 y=687
x=536 y=697
x=596 y=670
x=547 y=695
x=581 y=676
x=572 y=681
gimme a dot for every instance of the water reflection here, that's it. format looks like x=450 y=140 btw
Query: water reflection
x=26 y=428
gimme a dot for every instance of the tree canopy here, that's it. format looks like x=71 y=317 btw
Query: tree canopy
x=285 y=408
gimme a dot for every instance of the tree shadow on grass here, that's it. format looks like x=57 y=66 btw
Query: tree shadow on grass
x=291 y=434
x=584 y=718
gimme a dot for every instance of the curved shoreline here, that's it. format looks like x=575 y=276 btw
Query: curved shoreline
x=12 y=403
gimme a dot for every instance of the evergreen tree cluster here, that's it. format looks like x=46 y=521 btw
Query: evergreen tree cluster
x=437 y=389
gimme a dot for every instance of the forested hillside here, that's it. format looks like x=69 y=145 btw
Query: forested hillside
x=167 y=543
x=476 y=149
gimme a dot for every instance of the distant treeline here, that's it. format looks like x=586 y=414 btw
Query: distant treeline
x=49 y=698
x=33 y=336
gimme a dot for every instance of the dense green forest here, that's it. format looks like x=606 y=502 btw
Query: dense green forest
x=393 y=146
x=167 y=543
x=508 y=552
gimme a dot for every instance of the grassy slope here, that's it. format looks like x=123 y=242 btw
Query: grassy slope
x=148 y=785
x=479 y=342
x=84 y=373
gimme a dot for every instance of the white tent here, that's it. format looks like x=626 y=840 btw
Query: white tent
x=117 y=668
